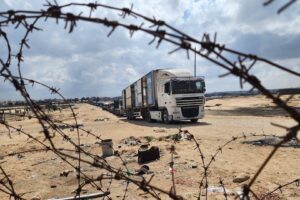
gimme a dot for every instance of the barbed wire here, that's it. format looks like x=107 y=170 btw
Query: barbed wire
x=8 y=186
x=161 y=31
x=280 y=187
x=283 y=7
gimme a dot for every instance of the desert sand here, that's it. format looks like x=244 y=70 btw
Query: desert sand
x=37 y=174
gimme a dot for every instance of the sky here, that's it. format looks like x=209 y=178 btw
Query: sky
x=87 y=63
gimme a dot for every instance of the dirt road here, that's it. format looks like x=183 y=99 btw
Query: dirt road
x=38 y=173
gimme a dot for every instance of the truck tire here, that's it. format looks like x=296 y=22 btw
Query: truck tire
x=165 y=117
x=143 y=115
x=194 y=120
x=130 y=115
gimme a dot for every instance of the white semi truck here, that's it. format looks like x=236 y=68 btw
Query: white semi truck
x=165 y=95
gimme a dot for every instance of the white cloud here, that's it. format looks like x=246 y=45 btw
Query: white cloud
x=47 y=70
x=87 y=63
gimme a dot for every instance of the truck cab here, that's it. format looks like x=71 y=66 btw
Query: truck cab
x=180 y=95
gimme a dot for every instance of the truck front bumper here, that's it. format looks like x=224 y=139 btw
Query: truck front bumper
x=185 y=113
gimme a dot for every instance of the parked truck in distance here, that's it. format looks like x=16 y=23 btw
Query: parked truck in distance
x=118 y=108
x=165 y=95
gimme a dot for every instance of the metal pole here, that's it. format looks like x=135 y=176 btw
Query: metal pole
x=195 y=63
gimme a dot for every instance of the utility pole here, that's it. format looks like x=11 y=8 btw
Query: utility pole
x=195 y=63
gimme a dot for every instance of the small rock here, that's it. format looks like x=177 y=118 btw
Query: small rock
x=102 y=119
x=85 y=145
x=185 y=136
x=143 y=170
x=131 y=142
x=36 y=197
x=194 y=166
x=65 y=173
x=241 y=178
x=99 y=119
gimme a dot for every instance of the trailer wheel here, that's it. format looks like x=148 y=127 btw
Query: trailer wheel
x=165 y=117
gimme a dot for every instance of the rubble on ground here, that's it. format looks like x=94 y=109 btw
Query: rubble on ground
x=65 y=173
x=131 y=141
x=273 y=140
x=176 y=137
x=146 y=154
x=102 y=119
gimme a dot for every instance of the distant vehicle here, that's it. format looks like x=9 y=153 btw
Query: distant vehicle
x=108 y=106
x=117 y=109
x=165 y=95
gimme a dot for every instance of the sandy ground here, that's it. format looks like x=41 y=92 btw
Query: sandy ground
x=38 y=174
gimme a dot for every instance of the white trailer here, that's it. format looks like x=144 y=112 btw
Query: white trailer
x=165 y=95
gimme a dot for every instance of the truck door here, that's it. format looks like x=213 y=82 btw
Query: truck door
x=165 y=94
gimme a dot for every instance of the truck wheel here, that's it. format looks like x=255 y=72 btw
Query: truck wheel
x=194 y=120
x=143 y=115
x=165 y=117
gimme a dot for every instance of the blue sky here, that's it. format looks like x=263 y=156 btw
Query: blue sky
x=87 y=63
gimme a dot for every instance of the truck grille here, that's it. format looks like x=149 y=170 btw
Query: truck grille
x=190 y=101
x=189 y=112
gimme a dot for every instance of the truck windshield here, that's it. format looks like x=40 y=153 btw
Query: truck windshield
x=187 y=86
